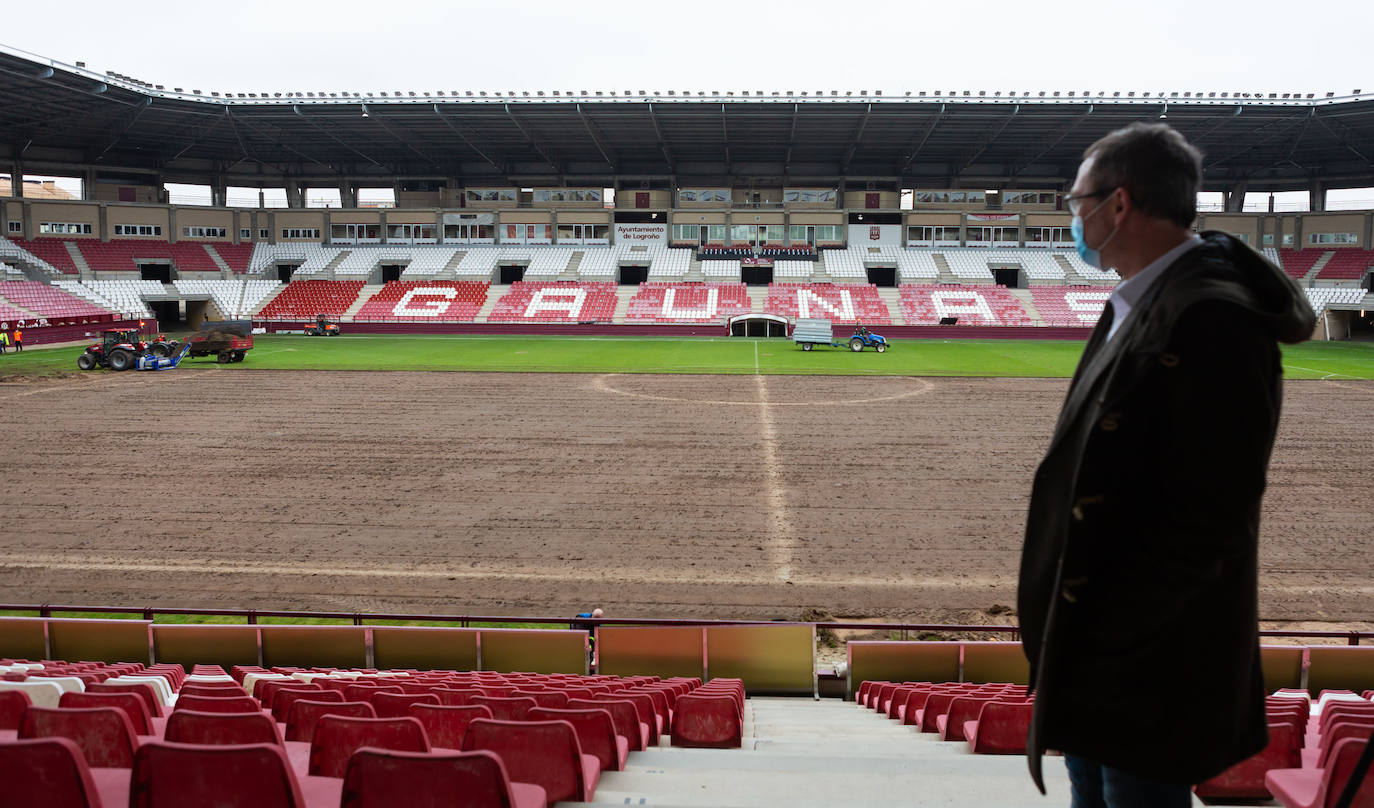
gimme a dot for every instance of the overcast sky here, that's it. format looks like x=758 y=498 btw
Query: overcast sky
x=254 y=45
x=425 y=45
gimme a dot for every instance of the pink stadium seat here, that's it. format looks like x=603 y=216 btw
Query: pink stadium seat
x=338 y=737
x=143 y=691
x=707 y=721
x=51 y=250
x=506 y=708
x=174 y=775
x=189 y=726
x=595 y=734
x=624 y=717
x=1321 y=787
x=545 y=753
x=45 y=300
x=378 y=778
x=303 y=300
x=131 y=705
x=212 y=689
x=840 y=303
x=367 y=691
x=237 y=256
x=13 y=703
x=1000 y=729
x=1297 y=263
x=456 y=697
x=445 y=725
x=543 y=698
x=962 y=709
x=1071 y=306
x=425 y=301
x=555 y=302
x=104 y=734
x=218 y=704
x=52 y=772
x=395 y=705
x=927 y=304
x=266 y=690
x=305 y=715
x=281 y=705
x=658 y=302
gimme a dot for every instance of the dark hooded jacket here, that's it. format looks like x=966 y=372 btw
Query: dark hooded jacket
x=1137 y=598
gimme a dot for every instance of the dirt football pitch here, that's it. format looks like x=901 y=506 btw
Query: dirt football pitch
x=651 y=496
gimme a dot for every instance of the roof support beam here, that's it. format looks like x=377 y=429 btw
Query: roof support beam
x=277 y=140
x=925 y=136
x=406 y=142
x=1063 y=133
x=114 y=141
x=597 y=138
x=296 y=108
x=989 y=140
x=791 y=141
x=662 y=141
x=854 y=139
x=469 y=138
x=725 y=140
x=1341 y=138
x=534 y=141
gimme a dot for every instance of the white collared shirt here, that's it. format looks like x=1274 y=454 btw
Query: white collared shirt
x=1129 y=291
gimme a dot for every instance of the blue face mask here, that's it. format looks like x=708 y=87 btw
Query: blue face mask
x=1091 y=256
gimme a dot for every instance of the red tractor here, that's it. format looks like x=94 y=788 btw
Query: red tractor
x=120 y=350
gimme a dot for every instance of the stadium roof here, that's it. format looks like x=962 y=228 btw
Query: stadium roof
x=57 y=118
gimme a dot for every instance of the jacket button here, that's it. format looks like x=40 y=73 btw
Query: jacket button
x=1168 y=360
x=1110 y=422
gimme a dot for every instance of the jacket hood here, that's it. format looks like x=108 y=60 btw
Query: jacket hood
x=1230 y=269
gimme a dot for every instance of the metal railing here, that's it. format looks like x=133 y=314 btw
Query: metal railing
x=251 y=616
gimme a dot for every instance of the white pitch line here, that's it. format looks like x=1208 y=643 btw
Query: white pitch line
x=756 y=357
x=1314 y=370
x=780 y=533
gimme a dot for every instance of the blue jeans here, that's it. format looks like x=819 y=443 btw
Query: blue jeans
x=1098 y=786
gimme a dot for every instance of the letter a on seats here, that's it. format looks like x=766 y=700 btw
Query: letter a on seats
x=704 y=313
x=565 y=299
x=956 y=303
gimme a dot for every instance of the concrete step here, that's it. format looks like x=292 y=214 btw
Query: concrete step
x=494 y=293
x=363 y=296
x=942 y=266
x=622 y=302
x=893 y=299
x=1028 y=303
x=225 y=270
x=1318 y=266
x=80 y=260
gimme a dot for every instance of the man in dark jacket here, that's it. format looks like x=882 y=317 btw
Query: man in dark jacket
x=1137 y=598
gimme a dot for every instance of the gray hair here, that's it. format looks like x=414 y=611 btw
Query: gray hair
x=1158 y=167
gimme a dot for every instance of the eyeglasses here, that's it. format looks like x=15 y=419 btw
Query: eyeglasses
x=1074 y=200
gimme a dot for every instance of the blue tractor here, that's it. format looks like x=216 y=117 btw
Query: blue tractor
x=863 y=338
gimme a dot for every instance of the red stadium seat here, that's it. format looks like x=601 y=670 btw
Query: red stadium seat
x=52 y=772
x=104 y=734
x=337 y=738
x=545 y=753
x=189 y=726
x=395 y=705
x=13 y=703
x=304 y=715
x=624 y=717
x=447 y=725
x=129 y=703
x=378 y=778
x=1320 y=788
x=281 y=704
x=218 y=704
x=1000 y=729
x=174 y=775
x=506 y=708
x=595 y=733
x=143 y=691
x=707 y=721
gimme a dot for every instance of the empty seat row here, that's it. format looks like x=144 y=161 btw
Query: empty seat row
x=687 y=302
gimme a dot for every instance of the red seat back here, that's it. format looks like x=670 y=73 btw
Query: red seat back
x=395 y=705
x=271 y=698
x=365 y=692
x=456 y=697
x=506 y=708
x=644 y=706
x=711 y=721
x=51 y=772
x=13 y=703
x=215 y=691
x=446 y=725
x=544 y=698
x=130 y=703
x=624 y=717
x=1340 y=765
x=281 y=705
x=173 y=775
x=218 y=704
x=305 y=714
x=545 y=753
x=595 y=731
x=103 y=734
x=338 y=737
x=218 y=729
x=143 y=691
x=1002 y=728
x=379 y=778
x=961 y=709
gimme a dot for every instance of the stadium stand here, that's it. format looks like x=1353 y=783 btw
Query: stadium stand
x=849 y=264
x=237 y=256
x=123 y=255
x=973 y=305
x=1088 y=273
x=968 y=265
x=840 y=303
x=1272 y=253
x=546 y=262
x=424 y=301
x=794 y=270
x=687 y=302
x=310 y=257
x=46 y=300
x=234 y=297
x=666 y=264
x=478 y=262
x=1322 y=296
x=123 y=295
x=1347 y=265
x=1076 y=306
x=49 y=253
x=1039 y=265
x=915 y=266
x=557 y=302
x=1297 y=263
x=720 y=270
x=306 y=299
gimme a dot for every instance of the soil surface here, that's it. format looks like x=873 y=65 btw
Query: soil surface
x=650 y=496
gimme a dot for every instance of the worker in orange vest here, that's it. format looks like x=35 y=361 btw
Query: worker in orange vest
x=18 y=339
